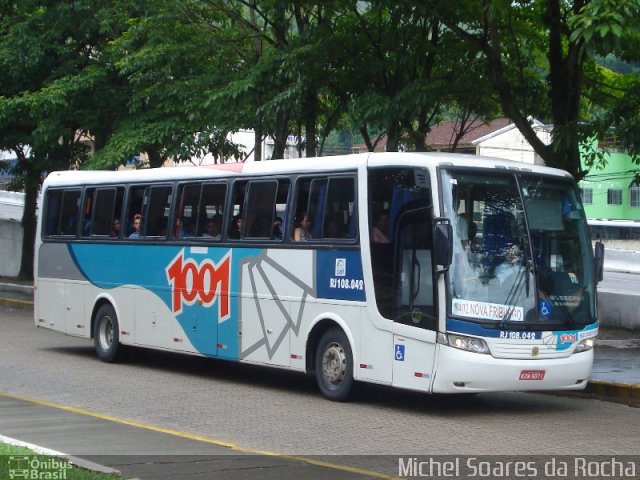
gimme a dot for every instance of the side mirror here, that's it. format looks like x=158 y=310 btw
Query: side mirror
x=598 y=260
x=443 y=244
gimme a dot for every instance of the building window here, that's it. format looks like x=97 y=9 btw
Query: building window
x=587 y=195
x=634 y=196
x=614 y=196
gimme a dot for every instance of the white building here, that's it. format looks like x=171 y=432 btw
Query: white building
x=246 y=140
x=11 y=208
x=510 y=144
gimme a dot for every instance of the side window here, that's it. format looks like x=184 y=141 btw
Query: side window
x=135 y=204
x=235 y=222
x=340 y=218
x=62 y=212
x=282 y=199
x=211 y=210
x=311 y=227
x=87 y=210
x=260 y=208
x=325 y=209
x=107 y=211
x=187 y=210
x=199 y=210
x=301 y=230
x=103 y=211
x=157 y=213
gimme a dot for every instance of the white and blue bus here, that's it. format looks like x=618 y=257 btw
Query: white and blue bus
x=430 y=272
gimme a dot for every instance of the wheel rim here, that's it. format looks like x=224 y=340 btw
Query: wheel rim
x=105 y=333
x=334 y=364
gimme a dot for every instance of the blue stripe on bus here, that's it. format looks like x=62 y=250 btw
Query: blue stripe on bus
x=109 y=266
x=206 y=317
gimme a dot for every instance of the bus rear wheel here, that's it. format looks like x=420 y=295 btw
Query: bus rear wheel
x=334 y=365
x=106 y=334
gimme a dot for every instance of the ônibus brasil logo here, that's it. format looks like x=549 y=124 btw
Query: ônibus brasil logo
x=204 y=282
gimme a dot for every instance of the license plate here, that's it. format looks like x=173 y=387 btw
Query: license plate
x=532 y=375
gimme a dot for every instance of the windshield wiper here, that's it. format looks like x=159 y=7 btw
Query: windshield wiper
x=548 y=293
x=521 y=281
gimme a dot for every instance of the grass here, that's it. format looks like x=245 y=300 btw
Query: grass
x=24 y=463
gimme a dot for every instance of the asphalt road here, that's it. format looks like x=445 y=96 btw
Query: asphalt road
x=270 y=410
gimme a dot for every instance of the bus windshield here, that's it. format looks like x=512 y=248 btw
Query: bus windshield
x=521 y=253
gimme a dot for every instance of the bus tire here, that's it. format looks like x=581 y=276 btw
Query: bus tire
x=334 y=365
x=106 y=334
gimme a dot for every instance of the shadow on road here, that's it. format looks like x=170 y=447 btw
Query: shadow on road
x=375 y=396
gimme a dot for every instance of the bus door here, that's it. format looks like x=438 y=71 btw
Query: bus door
x=414 y=308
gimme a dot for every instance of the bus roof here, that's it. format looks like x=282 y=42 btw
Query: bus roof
x=300 y=165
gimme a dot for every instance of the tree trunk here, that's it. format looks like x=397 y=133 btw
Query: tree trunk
x=393 y=138
x=367 y=138
x=281 y=134
x=32 y=180
x=565 y=81
x=257 y=140
x=311 y=113
x=155 y=158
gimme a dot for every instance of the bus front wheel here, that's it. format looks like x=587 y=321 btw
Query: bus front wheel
x=106 y=334
x=334 y=365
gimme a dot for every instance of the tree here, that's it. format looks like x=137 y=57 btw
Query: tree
x=283 y=87
x=168 y=59
x=538 y=55
x=50 y=55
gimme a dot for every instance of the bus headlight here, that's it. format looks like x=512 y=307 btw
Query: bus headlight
x=584 y=345
x=469 y=344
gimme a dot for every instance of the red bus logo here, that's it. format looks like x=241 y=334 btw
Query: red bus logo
x=567 y=338
x=204 y=283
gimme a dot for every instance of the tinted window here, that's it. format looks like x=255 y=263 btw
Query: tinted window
x=62 y=212
x=325 y=209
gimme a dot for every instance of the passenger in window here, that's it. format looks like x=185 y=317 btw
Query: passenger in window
x=137 y=223
x=302 y=232
x=115 y=228
x=184 y=228
x=380 y=231
x=179 y=228
x=213 y=227
x=86 y=228
x=277 y=229
x=236 y=227
x=187 y=229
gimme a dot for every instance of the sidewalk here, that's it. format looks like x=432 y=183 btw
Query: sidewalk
x=14 y=294
x=623 y=261
x=104 y=444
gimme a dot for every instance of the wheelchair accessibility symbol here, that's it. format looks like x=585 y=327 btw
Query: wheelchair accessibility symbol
x=400 y=353
x=545 y=308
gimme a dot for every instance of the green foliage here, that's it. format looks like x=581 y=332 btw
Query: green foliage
x=607 y=26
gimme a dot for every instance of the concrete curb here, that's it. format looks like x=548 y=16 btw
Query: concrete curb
x=15 y=303
x=613 y=392
x=17 y=287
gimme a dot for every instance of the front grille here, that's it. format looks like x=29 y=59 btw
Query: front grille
x=520 y=350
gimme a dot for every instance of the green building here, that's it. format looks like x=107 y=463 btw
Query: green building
x=607 y=193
